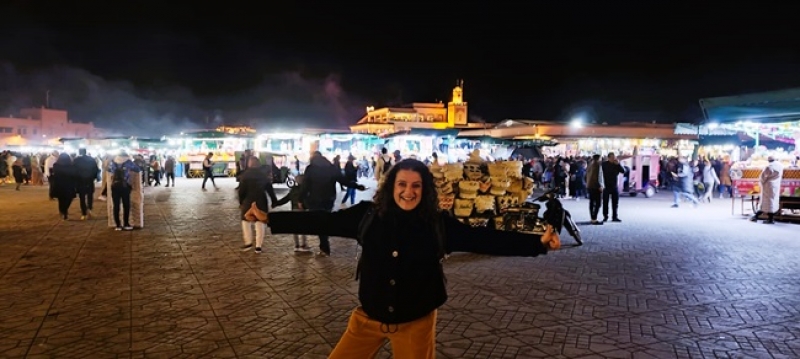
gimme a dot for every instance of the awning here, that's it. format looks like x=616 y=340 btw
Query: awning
x=485 y=139
x=527 y=152
x=212 y=134
x=510 y=141
x=720 y=140
x=435 y=132
x=765 y=107
x=702 y=130
x=427 y=132
x=742 y=139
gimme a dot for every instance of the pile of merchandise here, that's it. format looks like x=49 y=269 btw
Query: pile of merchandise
x=477 y=191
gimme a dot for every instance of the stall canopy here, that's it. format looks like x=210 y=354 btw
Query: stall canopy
x=763 y=107
x=703 y=130
x=509 y=141
x=527 y=152
x=748 y=140
x=427 y=132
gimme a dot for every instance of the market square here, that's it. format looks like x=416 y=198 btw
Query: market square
x=317 y=180
x=664 y=283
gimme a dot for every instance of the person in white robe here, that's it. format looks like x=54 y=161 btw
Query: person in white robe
x=770 y=180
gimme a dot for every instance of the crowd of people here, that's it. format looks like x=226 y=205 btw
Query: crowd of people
x=71 y=176
x=598 y=179
x=19 y=169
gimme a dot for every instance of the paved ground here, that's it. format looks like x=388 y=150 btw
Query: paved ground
x=665 y=283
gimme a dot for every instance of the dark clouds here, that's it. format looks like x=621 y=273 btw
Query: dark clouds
x=287 y=100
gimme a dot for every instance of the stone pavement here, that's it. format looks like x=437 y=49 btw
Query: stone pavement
x=665 y=283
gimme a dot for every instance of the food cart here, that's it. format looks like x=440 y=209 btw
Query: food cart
x=192 y=148
x=224 y=164
x=745 y=177
x=772 y=120
x=747 y=187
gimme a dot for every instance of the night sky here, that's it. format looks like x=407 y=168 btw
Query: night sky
x=156 y=68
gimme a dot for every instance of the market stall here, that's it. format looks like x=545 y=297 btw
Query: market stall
x=745 y=174
x=772 y=121
x=586 y=147
x=347 y=144
x=421 y=143
x=521 y=148
x=192 y=148
x=479 y=192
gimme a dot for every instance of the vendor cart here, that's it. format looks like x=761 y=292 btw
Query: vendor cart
x=641 y=175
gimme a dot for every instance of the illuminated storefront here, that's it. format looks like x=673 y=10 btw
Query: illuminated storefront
x=772 y=121
x=589 y=139
x=620 y=146
x=192 y=147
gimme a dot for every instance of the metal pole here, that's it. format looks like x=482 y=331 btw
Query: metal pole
x=758 y=136
x=703 y=109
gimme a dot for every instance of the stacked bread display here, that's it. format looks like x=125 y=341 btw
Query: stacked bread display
x=476 y=191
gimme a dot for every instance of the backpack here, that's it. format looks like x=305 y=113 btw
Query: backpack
x=119 y=178
x=385 y=163
x=369 y=217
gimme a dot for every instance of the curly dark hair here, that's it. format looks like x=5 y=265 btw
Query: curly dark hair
x=429 y=203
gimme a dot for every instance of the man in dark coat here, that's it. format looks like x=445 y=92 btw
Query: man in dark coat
x=318 y=191
x=86 y=171
x=611 y=171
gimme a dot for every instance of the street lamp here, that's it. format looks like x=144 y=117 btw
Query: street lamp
x=577 y=122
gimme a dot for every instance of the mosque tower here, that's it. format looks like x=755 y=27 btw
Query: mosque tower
x=457 y=108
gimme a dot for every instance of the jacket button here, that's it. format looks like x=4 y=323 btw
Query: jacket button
x=391 y=282
x=391 y=309
x=394 y=254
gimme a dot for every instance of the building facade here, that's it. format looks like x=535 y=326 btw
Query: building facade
x=417 y=115
x=42 y=126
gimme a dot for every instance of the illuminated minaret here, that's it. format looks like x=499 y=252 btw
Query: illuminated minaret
x=457 y=108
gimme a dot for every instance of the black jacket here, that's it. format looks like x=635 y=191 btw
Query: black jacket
x=611 y=172
x=350 y=172
x=85 y=168
x=401 y=278
x=254 y=185
x=319 y=186
x=64 y=180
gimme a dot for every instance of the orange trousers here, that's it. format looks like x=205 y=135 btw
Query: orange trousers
x=364 y=337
